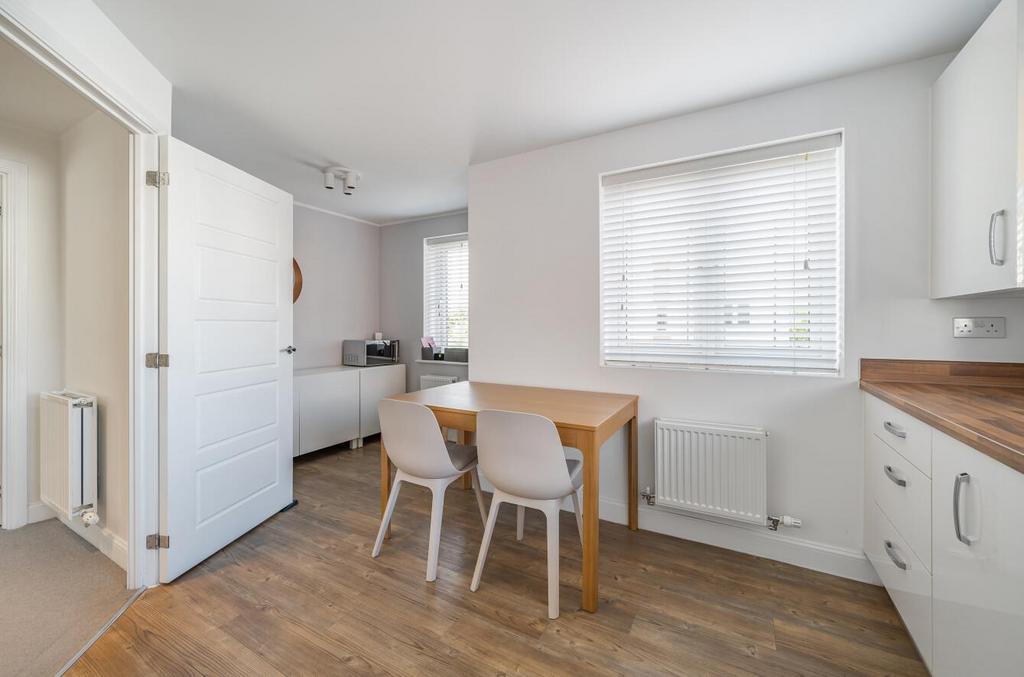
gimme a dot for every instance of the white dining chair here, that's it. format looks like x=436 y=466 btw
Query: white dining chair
x=522 y=456
x=421 y=456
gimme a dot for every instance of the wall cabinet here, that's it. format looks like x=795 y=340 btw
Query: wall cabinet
x=976 y=162
x=942 y=530
x=334 y=405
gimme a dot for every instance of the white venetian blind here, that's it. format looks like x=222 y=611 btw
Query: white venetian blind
x=446 y=290
x=729 y=262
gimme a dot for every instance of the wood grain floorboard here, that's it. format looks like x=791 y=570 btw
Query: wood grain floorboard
x=300 y=595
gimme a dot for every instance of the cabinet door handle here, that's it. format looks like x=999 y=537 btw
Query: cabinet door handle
x=289 y=350
x=996 y=261
x=891 y=474
x=898 y=432
x=890 y=550
x=961 y=479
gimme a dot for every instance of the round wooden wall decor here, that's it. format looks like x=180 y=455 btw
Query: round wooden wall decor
x=296 y=280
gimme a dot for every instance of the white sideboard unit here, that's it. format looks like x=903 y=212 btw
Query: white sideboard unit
x=376 y=383
x=976 y=162
x=942 y=529
x=335 y=405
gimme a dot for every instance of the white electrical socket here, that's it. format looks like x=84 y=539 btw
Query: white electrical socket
x=979 y=327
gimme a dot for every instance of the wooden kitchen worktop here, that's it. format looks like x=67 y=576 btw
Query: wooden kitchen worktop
x=979 y=403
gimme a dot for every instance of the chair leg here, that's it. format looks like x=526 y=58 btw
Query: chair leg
x=436 y=514
x=552 y=517
x=479 y=495
x=520 y=521
x=579 y=515
x=386 y=520
x=485 y=544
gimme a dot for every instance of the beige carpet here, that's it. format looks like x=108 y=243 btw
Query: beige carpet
x=56 y=592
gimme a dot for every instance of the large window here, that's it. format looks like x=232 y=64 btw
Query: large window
x=727 y=262
x=446 y=290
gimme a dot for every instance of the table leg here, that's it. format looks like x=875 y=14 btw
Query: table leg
x=591 y=518
x=466 y=437
x=632 y=473
x=385 y=483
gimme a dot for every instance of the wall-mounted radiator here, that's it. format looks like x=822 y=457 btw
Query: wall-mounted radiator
x=433 y=380
x=67 y=445
x=711 y=469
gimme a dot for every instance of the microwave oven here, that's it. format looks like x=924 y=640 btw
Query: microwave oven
x=369 y=352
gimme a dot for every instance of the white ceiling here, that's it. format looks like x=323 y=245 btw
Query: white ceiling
x=33 y=98
x=412 y=91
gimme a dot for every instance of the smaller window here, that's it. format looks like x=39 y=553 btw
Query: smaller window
x=446 y=290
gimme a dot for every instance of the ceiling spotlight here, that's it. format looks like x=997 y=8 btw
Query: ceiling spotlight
x=349 y=178
x=351 y=181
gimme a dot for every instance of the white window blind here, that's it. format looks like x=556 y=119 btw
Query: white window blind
x=446 y=290
x=730 y=262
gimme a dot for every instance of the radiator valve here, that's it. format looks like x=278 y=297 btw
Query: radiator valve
x=647 y=495
x=89 y=517
x=784 y=520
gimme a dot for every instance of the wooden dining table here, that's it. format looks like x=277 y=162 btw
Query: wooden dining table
x=585 y=420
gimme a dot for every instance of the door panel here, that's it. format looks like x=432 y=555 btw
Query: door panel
x=978 y=589
x=226 y=242
x=974 y=159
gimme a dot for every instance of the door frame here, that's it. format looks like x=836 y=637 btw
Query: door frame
x=144 y=274
x=13 y=338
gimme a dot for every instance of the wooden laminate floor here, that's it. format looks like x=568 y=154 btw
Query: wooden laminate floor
x=301 y=595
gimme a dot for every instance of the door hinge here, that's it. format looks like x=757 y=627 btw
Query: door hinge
x=157 y=179
x=157 y=360
x=158 y=542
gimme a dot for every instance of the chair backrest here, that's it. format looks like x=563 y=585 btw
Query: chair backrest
x=522 y=454
x=413 y=440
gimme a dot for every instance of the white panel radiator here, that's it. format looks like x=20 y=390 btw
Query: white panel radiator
x=433 y=380
x=67 y=446
x=711 y=469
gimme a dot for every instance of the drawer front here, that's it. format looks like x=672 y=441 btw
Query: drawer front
x=901 y=431
x=911 y=587
x=903 y=493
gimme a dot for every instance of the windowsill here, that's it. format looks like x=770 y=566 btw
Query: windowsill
x=463 y=364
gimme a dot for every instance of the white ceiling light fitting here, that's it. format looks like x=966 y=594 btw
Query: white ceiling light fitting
x=349 y=178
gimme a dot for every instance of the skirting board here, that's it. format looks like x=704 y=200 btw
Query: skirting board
x=761 y=542
x=781 y=547
x=101 y=538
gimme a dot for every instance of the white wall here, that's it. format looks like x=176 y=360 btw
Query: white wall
x=401 y=296
x=95 y=163
x=44 y=346
x=534 y=297
x=339 y=259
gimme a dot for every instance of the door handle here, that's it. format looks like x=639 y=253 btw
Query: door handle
x=891 y=474
x=996 y=261
x=898 y=432
x=890 y=550
x=289 y=350
x=961 y=479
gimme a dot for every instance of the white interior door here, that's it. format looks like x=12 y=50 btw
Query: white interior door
x=226 y=318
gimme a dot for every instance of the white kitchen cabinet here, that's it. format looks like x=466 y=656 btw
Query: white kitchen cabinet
x=978 y=577
x=905 y=577
x=975 y=156
x=376 y=383
x=327 y=404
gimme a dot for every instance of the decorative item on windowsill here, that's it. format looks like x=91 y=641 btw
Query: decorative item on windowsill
x=456 y=354
x=428 y=349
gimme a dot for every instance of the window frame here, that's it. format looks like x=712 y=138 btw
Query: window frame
x=449 y=237
x=841 y=352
